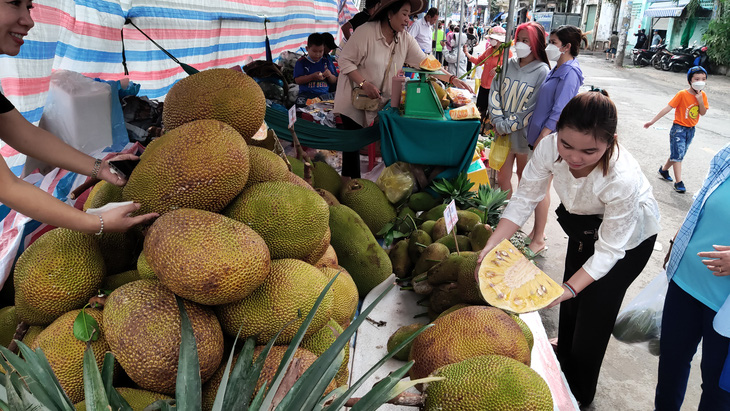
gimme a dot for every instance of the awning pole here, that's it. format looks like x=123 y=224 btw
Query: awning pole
x=508 y=39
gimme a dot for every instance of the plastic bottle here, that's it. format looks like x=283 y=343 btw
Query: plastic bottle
x=397 y=84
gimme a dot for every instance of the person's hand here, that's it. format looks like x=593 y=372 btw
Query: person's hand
x=119 y=220
x=465 y=52
x=319 y=75
x=487 y=248
x=371 y=90
x=567 y=295
x=461 y=84
x=648 y=124
x=326 y=73
x=105 y=172
x=493 y=72
x=720 y=260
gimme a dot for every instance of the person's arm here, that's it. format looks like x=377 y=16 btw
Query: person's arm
x=414 y=56
x=346 y=30
x=302 y=80
x=331 y=78
x=701 y=97
x=661 y=114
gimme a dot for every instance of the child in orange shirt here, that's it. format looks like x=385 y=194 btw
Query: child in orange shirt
x=688 y=106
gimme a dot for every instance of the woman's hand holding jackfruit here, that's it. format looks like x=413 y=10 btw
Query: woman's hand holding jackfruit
x=119 y=219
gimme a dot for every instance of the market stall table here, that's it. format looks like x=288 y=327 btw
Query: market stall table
x=398 y=308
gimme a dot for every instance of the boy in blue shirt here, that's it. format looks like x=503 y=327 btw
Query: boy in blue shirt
x=313 y=73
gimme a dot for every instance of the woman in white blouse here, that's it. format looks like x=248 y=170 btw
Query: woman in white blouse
x=611 y=218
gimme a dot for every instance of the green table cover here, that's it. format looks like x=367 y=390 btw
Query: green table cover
x=429 y=142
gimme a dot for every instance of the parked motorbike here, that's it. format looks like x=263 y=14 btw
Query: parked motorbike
x=660 y=59
x=702 y=60
x=642 y=57
x=682 y=61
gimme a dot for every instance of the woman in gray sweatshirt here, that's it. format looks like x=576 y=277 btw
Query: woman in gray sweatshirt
x=512 y=102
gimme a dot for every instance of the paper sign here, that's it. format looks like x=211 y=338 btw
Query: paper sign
x=450 y=216
x=292 y=115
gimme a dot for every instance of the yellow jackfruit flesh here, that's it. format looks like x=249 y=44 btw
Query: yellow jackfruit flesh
x=508 y=280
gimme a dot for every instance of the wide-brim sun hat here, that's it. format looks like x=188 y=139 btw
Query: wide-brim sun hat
x=498 y=33
x=417 y=6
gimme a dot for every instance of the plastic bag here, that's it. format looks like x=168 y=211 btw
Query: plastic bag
x=641 y=320
x=467 y=112
x=460 y=97
x=397 y=182
x=499 y=151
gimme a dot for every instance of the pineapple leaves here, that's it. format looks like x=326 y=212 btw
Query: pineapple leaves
x=456 y=189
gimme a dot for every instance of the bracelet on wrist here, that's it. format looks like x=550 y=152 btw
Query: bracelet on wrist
x=101 y=223
x=96 y=169
x=571 y=289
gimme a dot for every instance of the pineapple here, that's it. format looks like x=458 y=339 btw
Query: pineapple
x=508 y=280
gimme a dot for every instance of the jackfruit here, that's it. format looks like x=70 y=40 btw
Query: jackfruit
x=144 y=269
x=59 y=272
x=488 y=383
x=479 y=236
x=326 y=177
x=220 y=94
x=292 y=220
x=137 y=399
x=465 y=333
x=218 y=261
x=461 y=243
x=525 y=330
x=466 y=222
x=357 y=250
x=65 y=353
x=508 y=280
x=203 y=164
x=402 y=265
x=427 y=227
x=417 y=242
x=328 y=197
x=291 y=286
x=329 y=259
x=32 y=334
x=320 y=250
x=452 y=309
x=118 y=250
x=369 y=202
x=458 y=269
x=344 y=295
x=406 y=220
x=112 y=282
x=422 y=201
x=103 y=193
x=298 y=181
x=439 y=229
x=434 y=213
x=431 y=255
x=142 y=326
x=8 y=322
x=400 y=335
x=265 y=166
x=320 y=341
x=297 y=166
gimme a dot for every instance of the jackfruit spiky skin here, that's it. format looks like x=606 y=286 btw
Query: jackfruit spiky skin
x=265 y=166
x=220 y=94
x=357 y=250
x=103 y=193
x=489 y=383
x=298 y=181
x=465 y=333
x=297 y=166
x=328 y=197
x=326 y=177
x=368 y=201
x=203 y=164
x=65 y=353
x=32 y=334
x=329 y=259
x=320 y=250
x=525 y=330
x=402 y=265
x=218 y=261
x=58 y=273
x=8 y=322
x=137 y=399
x=142 y=325
x=291 y=286
x=291 y=219
x=112 y=282
x=422 y=201
x=144 y=269
x=345 y=295
x=401 y=335
x=320 y=341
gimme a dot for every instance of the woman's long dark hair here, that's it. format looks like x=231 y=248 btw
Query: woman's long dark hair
x=571 y=35
x=593 y=113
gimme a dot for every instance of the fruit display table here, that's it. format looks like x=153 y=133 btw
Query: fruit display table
x=398 y=309
x=429 y=142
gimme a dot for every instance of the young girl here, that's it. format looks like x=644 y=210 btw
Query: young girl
x=511 y=103
x=17 y=132
x=490 y=59
x=561 y=85
x=611 y=219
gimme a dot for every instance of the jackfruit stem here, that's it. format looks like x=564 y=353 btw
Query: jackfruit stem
x=20 y=332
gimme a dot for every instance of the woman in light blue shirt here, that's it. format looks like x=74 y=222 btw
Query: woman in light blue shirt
x=697 y=305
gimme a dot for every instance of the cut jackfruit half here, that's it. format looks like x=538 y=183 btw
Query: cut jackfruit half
x=508 y=280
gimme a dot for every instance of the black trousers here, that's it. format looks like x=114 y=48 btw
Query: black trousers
x=586 y=322
x=350 y=159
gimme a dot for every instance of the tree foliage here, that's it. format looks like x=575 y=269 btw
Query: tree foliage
x=717 y=36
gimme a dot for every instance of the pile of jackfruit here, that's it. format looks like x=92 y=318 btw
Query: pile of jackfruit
x=244 y=241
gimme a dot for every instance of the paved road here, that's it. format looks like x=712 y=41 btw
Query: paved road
x=628 y=376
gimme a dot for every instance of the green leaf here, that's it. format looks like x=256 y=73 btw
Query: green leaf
x=385 y=229
x=188 y=391
x=38 y=375
x=85 y=327
x=161 y=405
x=243 y=378
x=94 y=393
x=331 y=396
x=116 y=401
x=382 y=391
x=259 y=399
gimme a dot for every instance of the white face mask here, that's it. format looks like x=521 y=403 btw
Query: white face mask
x=522 y=50
x=698 y=85
x=493 y=42
x=553 y=52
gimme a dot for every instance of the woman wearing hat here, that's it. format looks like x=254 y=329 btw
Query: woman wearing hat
x=375 y=53
x=491 y=58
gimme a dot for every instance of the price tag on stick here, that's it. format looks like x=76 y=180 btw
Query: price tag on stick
x=450 y=217
x=292 y=115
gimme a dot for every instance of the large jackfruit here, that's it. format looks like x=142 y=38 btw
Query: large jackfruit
x=488 y=383
x=59 y=272
x=144 y=269
x=368 y=201
x=291 y=219
x=137 y=399
x=142 y=326
x=465 y=333
x=203 y=164
x=508 y=280
x=291 y=286
x=103 y=193
x=344 y=293
x=320 y=341
x=65 y=353
x=326 y=177
x=357 y=250
x=219 y=94
x=206 y=257
x=265 y=166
